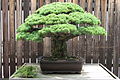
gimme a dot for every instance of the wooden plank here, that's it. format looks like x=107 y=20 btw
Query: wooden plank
x=110 y=37
x=19 y=44
x=47 y=41
x=26 y=43
x=82 y=4
x=102 y=38
x=5 y=38
x=89 y=5
x=33 y=45
x=75 y=40
x=12 y=35
x=89 y=37
x=82 y=46
x=116 y=38
x=96 y=38
x=70 y=43
x=41 y=44
x=0 y=44
x=41 y=3
x=61 y=0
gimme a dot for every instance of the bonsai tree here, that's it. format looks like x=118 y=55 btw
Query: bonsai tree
x=60 y=22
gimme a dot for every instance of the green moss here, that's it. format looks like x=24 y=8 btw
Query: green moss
x=27 y=72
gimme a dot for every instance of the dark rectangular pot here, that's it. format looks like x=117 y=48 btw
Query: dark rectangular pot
x=61 y=66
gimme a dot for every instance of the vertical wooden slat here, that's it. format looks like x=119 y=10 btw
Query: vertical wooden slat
x=96 y=38
x=116 y=38
x=47 y=41
x=12 y=35
x=19 y=43
x=75 y=40
x=82 y=4
x=102 y=38
x=41 y=2
x=89 y=37
x=110 y=37
x=5 y=38
x=82 y=40
x=33 y=45
x=0 y=44
x=61 y=0
x=41 y=44
x=26 y=43
x=70 y=42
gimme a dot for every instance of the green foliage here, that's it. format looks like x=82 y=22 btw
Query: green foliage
x=27 y=72
x=59 y=8
x=24 y=27
x=33 y=36
x=51 y=19
x=59 y=19
x=59 y=28
x=93 y=30
x=84 y=18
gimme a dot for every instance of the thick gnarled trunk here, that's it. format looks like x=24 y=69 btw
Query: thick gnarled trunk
x=58 y=48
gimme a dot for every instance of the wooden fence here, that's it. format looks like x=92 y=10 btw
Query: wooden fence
x=94 y=49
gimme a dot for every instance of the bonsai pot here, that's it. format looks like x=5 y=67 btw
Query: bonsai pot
x=61 y=66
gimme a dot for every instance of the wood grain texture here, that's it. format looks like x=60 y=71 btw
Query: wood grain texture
x=0 y=44
x=5 y=38
x=96 y=38
x=33 y=45
x=110 y=36
x=75 y=40
x=116 y=38
x=47 y=41
x=12 y=36
x=19 y=44
x=89 y=40
x=102 y=38
x=26 y=43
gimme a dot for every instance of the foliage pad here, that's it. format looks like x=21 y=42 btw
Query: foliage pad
x=60 y=22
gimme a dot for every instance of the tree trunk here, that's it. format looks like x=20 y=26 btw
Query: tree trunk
x=58 y=48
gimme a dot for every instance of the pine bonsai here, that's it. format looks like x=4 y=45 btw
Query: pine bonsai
x=60 y=23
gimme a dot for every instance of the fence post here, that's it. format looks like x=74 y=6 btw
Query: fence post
x=12 y=35
x=110 y=34
x=0 y=44
x=116 y=38
x=5 y=38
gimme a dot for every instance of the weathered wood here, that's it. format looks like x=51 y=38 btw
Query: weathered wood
x=41 y=44
x=61 y=0
x=47 y=41
x=102 y=38
x=5 y=38
x=0 y=44
x=75 y=40
x=96 y=38
x=26 y=43
x=82 y=4
x=89 y=37
x=116 y=38
x=19 y=44
x=41 y=2
x=12 y=35
x=33 y=45
x=110 y=36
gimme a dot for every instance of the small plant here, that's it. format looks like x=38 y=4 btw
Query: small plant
x=27 y=72
x=60 y=22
